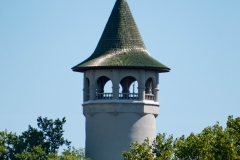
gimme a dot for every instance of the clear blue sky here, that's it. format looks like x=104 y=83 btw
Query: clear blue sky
x=41 y=40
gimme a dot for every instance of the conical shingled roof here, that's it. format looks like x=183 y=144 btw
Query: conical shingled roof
x=121 y=45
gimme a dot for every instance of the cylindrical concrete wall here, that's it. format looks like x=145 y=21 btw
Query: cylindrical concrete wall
x=108 y=134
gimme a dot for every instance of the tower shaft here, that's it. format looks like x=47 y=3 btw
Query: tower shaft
x=117 y=119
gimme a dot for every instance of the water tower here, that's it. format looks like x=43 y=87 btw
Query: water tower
x=114 y=120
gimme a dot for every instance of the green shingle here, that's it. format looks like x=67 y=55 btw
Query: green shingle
x=121 y=45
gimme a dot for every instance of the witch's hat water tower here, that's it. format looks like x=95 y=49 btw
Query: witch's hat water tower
x=115 y=120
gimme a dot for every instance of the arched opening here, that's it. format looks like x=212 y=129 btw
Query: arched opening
x=134 y=87
x=149 y=94
x=104 y=91
x=128 y=88
x=87 y=88
x=108 y=87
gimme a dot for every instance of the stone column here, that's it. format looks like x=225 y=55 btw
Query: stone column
x=141 y=85
x=115 y=82
x=92 y=85
x=84 y=87
x=156 y=88
x=84 y=95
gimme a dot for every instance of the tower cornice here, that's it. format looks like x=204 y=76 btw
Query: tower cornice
x=117 y=107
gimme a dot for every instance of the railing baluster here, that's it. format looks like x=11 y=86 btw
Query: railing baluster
x=123 y=96
x=149 y=96
x=104 y=95
x=128 y=95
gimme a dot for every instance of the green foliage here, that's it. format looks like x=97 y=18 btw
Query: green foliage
x=39 y=144
x=162 y=147
x=7 y=140
x=73 y=154
x=38 y=153
x=2 y=144
x=233 y=128
x=52 y=134
x=213 y=143
x=139 y=151
x=34 y=153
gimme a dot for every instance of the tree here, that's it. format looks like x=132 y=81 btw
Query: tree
x=34 y=153
x=52 y=134
x=38 y=153
x=213 y=143
x=73 y=154
x=162 y=147
x=233 y=128
x=139 y=151
x=38 y=144
x=7 y=141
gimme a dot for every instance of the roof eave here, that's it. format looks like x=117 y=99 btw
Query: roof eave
x=158 y=69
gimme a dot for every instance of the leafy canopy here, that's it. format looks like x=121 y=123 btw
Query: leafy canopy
x=213 y=143
x=40 y=143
